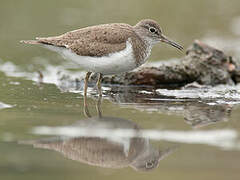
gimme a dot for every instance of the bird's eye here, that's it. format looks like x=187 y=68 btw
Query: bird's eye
x=149 y=165
x=151 y=29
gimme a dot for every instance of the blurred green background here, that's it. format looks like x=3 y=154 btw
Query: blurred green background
x=182 y=21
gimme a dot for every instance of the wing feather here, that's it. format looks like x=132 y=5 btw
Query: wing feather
x=98 y=40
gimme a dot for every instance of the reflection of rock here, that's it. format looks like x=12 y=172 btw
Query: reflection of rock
x=196 y=112
x=112 y=152
x=200 y=114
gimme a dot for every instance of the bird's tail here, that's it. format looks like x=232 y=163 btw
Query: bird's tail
x=30 y=41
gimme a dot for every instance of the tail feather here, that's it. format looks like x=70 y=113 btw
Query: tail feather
x=30 y=42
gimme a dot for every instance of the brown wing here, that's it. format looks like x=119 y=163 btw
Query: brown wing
x=93 y=41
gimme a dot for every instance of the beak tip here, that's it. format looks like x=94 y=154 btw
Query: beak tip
x=172 y=43
x=181 y=48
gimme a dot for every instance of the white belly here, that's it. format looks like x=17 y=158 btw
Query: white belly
x=114 y=63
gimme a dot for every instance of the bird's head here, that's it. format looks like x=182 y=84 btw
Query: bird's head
x=151 y=32
x=147 y=160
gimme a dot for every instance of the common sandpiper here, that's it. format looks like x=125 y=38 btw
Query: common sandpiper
x=108 y=48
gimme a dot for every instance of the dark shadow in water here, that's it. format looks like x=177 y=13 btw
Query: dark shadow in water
x=197 y=113
x=111 y=152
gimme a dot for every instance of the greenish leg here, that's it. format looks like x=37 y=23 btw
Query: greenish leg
x=100 y=76
x=86 y=112
x=98 y=106
x=86 y=83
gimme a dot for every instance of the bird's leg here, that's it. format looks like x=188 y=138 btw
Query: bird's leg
x=98 y=106
x=86 y=83
x=86 y=112
x=100 y=76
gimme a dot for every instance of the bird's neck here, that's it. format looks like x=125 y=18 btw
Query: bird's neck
x=141 y=48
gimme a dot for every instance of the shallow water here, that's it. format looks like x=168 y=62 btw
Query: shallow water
x=132 y=132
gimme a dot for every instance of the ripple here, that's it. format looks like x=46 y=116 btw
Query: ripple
x=226 y=139
x=3 y=106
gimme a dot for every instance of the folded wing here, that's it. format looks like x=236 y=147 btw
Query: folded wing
x=91 y=41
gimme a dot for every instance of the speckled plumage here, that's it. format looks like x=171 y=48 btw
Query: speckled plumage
x=106 y=39
x=98 y=41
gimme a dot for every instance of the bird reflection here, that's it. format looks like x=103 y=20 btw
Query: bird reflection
x=110 y=152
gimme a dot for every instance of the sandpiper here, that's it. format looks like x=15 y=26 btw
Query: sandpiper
x=108 y=48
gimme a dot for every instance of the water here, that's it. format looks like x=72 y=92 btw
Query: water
x=132 y=132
